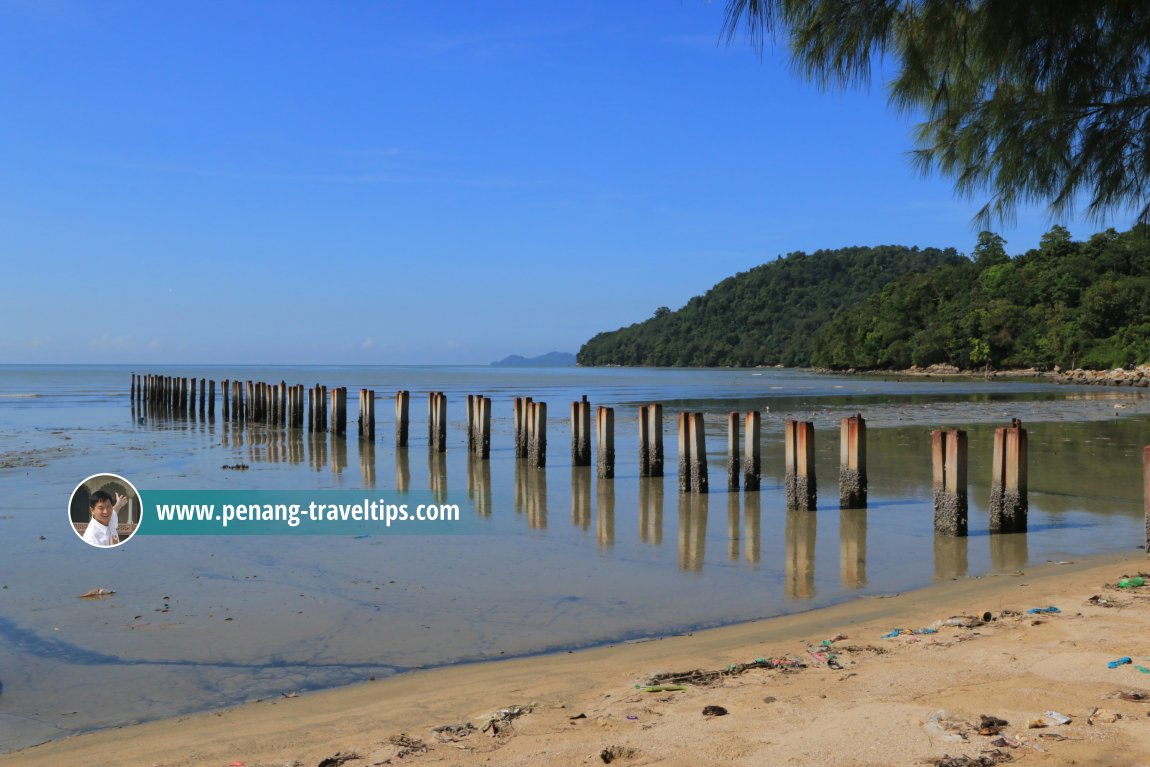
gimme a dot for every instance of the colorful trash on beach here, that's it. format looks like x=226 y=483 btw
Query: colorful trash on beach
x=1041 y=610
x=1119 y=662
x=1129 y=583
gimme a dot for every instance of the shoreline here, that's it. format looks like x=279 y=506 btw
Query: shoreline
x=599 y=683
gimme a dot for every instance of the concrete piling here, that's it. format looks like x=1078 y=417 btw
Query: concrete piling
x=655 y=439
x=752 y=458
x=1008 y=496
x=698 y=438
x=522 y=425
x=684 y=453
x=852 y=463
x=605 y=442
x=402 y=407
x=581 y=432
x=483 y=424
x=948 y=458
x=799 y=446
x=733 y=463
x=537 y=434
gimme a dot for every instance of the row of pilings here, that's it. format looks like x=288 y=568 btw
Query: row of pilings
x=280 y=405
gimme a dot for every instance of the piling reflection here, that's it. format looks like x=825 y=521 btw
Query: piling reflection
x=733 y=527
x=651 y=510
x=1009 y=551
x=581 y=497
x=852 y=548
x=950 y=556
x=367 y=462
x=317 y=450
x=605 y=512
x=402 y=470
x=693 y=509
x=536 y=498
x=479 y=483
x=338 y=454
x=437 y=475
x=752 y=532
x=800 y=566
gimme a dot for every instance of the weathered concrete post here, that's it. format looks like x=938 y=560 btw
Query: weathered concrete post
x=733 y=467
x=581 y=432
x=605 y=442
x=483 y=438
x=211 y=399
x=441 y=423
x=684 y=453
x=437 y=421
x=698 y=438
x=799 y=444
x=1008 y=498
x=644 y=443
x=339 y=411
x=522 y=425
x=192 y=400
x=369 y=413
x=537 y=434
x=402 y=400
x=471 y=424
x=203 y=396
x=225 y=395
x=948 y=457
x=852 y=463
x=655 y=438
x=752 y=458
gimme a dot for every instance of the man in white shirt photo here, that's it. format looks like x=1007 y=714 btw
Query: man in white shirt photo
x=101 y=530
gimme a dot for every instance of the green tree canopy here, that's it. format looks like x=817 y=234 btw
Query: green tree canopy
x=1029 y=102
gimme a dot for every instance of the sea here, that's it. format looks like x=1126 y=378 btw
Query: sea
x=551 y=559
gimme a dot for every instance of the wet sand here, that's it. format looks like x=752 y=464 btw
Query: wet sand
x=584 y=707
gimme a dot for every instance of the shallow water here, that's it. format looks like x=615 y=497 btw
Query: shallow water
x=557 y=559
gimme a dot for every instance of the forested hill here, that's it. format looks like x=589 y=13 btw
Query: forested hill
x=1065 y=303
x=766 y=316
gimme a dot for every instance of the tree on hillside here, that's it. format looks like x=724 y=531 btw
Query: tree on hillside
x=1030 y=102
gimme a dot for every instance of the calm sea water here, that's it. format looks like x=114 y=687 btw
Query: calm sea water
x=557 y=559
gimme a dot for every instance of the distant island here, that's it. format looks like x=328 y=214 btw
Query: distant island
x=549 y=360
x=1064 y=305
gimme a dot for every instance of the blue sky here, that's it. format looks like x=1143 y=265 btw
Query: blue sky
x=412 y=181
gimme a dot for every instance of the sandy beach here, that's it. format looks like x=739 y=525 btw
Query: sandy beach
x=784 y=698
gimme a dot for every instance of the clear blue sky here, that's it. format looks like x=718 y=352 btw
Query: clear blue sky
x=413 y=181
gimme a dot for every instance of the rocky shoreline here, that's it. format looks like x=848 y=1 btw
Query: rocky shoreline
x=1138 y=376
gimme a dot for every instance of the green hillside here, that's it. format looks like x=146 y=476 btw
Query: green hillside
x=1065 y=303
x=766 y=316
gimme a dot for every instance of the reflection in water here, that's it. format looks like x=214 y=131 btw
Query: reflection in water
x=651 y=510
x=581 y=496
x=800 y=568
x=752 y=519
x=367 y=462
x=733 y=526
x=317 y=450
x=950 y=556
x=692 y=530
x=852 y=548
x=1009 y=551
x=402 y=470
x=437 y=475
x=536 y=498
x=479 y=483
x=338 y=453
x=295 y=449
x=605 y=512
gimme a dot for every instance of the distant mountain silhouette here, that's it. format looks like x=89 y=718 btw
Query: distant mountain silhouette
x=549 y=360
